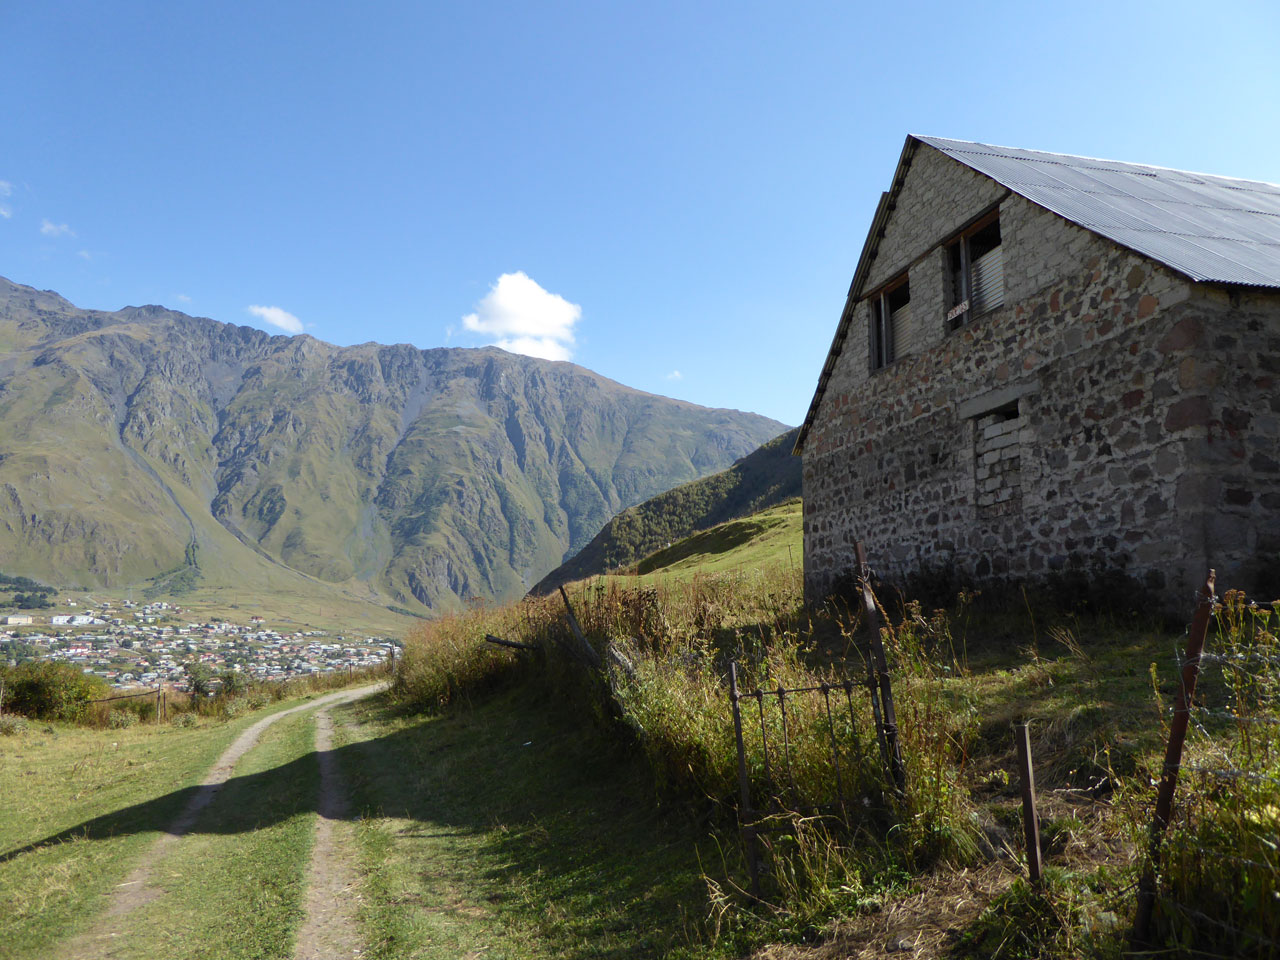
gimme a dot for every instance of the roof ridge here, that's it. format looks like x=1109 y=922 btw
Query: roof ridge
x=1075 y=156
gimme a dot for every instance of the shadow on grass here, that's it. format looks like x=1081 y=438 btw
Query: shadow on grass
x=558 y=814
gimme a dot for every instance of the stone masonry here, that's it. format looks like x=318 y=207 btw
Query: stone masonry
x=1110 y=410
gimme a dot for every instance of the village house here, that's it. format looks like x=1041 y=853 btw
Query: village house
x=1047 y=359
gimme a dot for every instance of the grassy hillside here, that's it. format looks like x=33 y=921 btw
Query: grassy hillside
x=936 y=867
x=146 y=447
x=766 y=477
x=771 y=537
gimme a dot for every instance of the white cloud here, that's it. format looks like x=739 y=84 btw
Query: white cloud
x=674 y=375
x=182 y=298
x=51 y=229
x=543 y=347
x=526 y=318
x=5 y=211
x=6 y=188
x=277 y=317
x=85 y=254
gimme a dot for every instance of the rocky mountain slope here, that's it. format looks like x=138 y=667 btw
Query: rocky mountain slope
x=765 y=478
x=145 y=444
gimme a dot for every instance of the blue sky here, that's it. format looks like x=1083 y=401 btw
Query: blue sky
x=673 y=195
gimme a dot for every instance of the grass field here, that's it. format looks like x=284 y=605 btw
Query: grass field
x=516 y=818
x=55 y=777
x=770 y=538
x=509 y=831
x=233 y=887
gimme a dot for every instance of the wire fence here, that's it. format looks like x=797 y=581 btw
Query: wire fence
x=1212 y=885
x=1210 y=879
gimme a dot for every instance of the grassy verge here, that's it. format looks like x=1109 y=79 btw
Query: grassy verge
x=233 y=888
x=120 y=788
x=1095 y=688
x=508 y=829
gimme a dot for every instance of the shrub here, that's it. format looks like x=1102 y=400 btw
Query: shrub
x=47 y=690
x=11 y=725
x=184 y=720
x=234 y=683
x=448 y=660
x=120 y=719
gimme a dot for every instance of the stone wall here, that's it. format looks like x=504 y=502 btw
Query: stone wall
x=1133 y=412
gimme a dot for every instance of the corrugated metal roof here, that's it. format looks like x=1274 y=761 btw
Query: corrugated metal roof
x=1210 y=228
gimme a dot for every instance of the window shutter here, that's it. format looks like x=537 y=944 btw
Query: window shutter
x=988 y=281
x=899 y=322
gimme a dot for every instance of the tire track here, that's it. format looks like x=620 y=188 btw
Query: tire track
x=329 y=931
x=110 y=930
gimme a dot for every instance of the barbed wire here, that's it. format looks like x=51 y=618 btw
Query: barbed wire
x=1232 y=773
x=1234 y=717
x=1244 y=861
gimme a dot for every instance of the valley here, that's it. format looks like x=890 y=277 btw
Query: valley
x=152 y=449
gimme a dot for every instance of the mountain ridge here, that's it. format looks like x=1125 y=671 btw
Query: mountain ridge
x=138 y=437
x=764 y=478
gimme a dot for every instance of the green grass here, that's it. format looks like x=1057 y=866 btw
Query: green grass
x=511 y=830
x=54 y=778
x=769 y=538
x=1095 y=690
x=766 y=477
x=234 y=887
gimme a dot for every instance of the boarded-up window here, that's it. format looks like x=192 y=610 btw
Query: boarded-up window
x=998 y=462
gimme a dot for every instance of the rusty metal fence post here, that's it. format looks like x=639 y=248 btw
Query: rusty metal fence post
x=746 y=818
x=1030 y=818
x=882 y=708
x=1173 y=757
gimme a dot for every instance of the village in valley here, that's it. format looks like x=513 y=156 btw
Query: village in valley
x=132 y=644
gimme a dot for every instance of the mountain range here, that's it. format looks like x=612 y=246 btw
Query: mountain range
x=764 y=478
x=145 y=446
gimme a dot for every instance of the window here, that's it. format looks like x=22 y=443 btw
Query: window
x=889 y=316
x=976 y=273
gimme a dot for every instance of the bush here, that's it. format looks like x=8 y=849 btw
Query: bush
x=184 y=720
x=234 y=683
x=47 y=690
x=120 y=719
x=11 y=725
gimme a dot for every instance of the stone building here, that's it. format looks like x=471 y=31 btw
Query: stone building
x=1046 y=358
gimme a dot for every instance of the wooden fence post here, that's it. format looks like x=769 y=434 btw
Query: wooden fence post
x=585 y=650
x=1030 y=818
x=1173 y=757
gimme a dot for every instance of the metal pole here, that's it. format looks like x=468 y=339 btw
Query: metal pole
x=744 y=784
x=880 y=677
x=1030 y=819
x=1173 y=756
